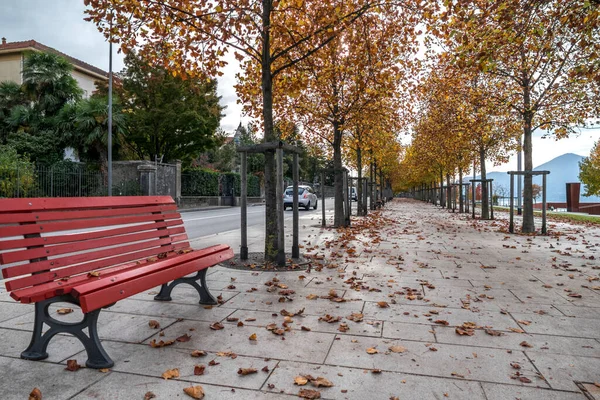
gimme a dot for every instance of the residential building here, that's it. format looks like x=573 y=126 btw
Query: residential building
x=11 y=64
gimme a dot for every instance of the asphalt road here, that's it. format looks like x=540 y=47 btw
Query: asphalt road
x=210 y=222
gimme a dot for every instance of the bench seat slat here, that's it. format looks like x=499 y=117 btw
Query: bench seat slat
x=29 y=294
x=50 y=277
x=140 y=281
x=58 y=203
x=97 y=258
x=76 y=237
x=17 y=230
x=107 y=240
x=51 y=215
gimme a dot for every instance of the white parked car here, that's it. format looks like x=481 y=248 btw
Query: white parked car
x=306 y=197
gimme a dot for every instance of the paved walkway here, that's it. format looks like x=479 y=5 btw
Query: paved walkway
x=413 y=303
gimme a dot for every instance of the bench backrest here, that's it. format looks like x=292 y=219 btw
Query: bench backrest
x=48 y=239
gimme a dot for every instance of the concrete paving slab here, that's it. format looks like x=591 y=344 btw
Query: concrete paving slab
x=494 y=391
x=61 y=347
x=122 y=386
x=52 y=379
x=562 y=372
x=561 y=326
x=447 y=361
x=153 y=362
x=294 y=345
x=406 y=331
x=168 y=309
x=356 y=383
x=579 y=312
x=13 y=309
x=512 y=341
x=261 y=319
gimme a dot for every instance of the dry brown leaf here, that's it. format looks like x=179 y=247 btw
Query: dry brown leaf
x=198 y=353
x=300 y=381
x=195 y=392
x=397 y=349
x=161 y=343
x=442 y=322
x=199 y=369
x=309 y=394
x=247 y=371
x=312 y=297
x=36 y=394
x=93 y=274
x=464 y=331
x=72 y=365
x=516 y=330
x=154 y=324
x=63 y=311
x=184 y=338
x=149 y=396
x=171 y=373
x=372 y=350
x=523 y=322
x=104 y=370
x=492 y=332
x=321 y=382
x=216 y=326
x=525 y=379
x=304 y=328
x=252 y=337
x=525 y=344
x=383 y=304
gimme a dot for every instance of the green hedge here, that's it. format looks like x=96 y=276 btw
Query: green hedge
x=202 y=182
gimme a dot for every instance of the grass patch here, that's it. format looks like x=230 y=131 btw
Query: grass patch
x=561 y=216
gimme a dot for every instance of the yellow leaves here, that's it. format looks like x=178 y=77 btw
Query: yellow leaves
x=170 y=373
x=372 y=350
x=195 y=392
x=219 y=9
x=300 y=380
x=252 y=337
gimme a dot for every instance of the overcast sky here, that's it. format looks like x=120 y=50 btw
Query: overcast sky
x=59 y=24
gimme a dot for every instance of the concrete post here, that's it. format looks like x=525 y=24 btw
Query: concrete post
x=543 y=204
x=323 y=198
x=295 y=229
x=280 y=222
x=244 y=205
x=147 y=179
x=511 y=225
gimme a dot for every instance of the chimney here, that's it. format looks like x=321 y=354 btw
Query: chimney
x=3 y=40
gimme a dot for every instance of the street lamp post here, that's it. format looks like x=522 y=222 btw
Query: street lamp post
x=110 y=88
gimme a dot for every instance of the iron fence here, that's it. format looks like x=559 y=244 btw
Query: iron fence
x=59 y=180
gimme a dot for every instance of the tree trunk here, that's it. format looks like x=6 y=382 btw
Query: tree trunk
x=271 y=199
x=359 y=185
x=339 y=218
x=485 y=204
x=442 y=194
x=528 y=223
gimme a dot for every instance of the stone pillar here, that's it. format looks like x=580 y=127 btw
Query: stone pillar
x=147 y=179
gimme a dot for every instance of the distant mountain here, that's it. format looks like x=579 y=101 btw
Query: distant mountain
x=563 y=169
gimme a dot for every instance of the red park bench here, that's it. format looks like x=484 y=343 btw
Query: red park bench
x=93 y=252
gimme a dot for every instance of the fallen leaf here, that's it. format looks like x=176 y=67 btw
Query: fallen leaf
x=198 y=353
x=516 y=330
x=525 y=379
x=240 y=324
x=304 y=328
x=575 y=295
x=523 y=322
x=93 y=274
x=154 y=324
x=104 y=370
x=321 y=382
x=372 y=350
x=492 y=332
x=36 y=394
x=397 y=349
x=247 y=371
x=216 y=326
x=442 y=322
x=252 y=337
x=383 y=304
x=300 y=381
x=195 y=392
x=171 y=373
x=376 y=371
x=212 y=363
x=161 y=343
x=184 y=338
x=149 y=395
x=199 y=369
x=72 y=365
x=462 y=331
x=457 y=375
x=309 y=394
x=63 y=311
x=525 y=344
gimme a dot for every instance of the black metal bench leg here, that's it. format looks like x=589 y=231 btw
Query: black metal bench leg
x=97 y=356
x=202 y=289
